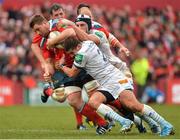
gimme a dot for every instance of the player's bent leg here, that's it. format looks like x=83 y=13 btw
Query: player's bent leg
x=75 y=100
x=152 y=124
x=129 y=115
x=96 y=101
x=128 y=99
x=79 y=120
x=92 y=115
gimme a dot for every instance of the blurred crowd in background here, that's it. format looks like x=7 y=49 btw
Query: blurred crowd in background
x=152 y=35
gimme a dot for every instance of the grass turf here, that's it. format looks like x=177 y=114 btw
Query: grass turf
x=22 y=122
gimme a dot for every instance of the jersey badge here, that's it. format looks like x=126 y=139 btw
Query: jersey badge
x=99 y=34
x=79 y=58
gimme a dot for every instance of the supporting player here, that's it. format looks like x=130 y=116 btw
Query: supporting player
x=113 y=83
x=85 y=9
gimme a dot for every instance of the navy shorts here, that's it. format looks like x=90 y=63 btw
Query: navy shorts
x=59 y=79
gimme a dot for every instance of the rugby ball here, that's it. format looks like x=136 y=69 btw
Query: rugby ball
x=59 y=95
x=54 y=34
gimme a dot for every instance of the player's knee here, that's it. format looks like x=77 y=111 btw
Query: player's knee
x=74 y=100
x=59 y=95
x=94 y=103
x=73 y=95
x=71 y=90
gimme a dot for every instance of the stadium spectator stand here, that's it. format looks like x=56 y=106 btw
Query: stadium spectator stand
x=153 y=32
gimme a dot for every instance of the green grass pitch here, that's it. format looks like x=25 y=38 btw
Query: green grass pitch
x=57 y=122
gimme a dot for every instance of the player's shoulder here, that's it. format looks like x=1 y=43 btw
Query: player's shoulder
x=87 y=44
x=98 y=33
x=96 y=24
x=53 y=21
x=36 y=38
x=87 y=47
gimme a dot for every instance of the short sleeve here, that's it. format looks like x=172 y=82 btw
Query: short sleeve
x=80 y=60
x=100 y=35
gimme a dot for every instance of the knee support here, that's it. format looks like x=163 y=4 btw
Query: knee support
x=59 y=94
x=71 y=89
x=92 y=85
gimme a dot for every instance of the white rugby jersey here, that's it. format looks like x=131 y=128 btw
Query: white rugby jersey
x=90 y=58
x=105 y=48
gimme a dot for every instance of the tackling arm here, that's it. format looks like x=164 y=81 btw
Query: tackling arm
x=61 y=37
x=83 y=36
x=71 y=72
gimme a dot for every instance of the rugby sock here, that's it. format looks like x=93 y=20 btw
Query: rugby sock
x=147 y=110
x=79 y=117
x=137 y=120
x=149 y=121
x=92 y=115
x=107 y=111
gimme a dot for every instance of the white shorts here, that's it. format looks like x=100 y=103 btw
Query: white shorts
x=116 y=84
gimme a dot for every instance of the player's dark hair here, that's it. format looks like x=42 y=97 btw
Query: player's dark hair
x=71 y=43
x=55 y=7
x=81 y=5
x=36 y=19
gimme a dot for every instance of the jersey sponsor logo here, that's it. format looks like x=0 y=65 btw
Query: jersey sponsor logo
x=79 y=58
x=100 y=35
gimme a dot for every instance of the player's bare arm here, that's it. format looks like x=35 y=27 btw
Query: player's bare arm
x=47 y=67
x=83 y=36
x=61 y=37
x=71 y=72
